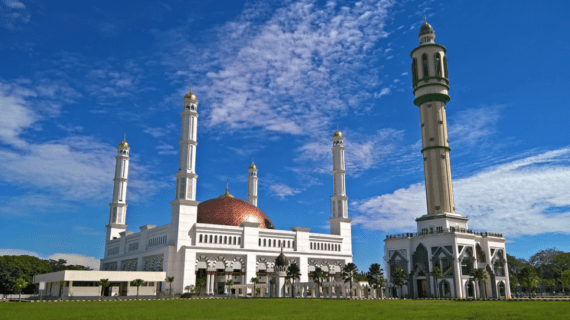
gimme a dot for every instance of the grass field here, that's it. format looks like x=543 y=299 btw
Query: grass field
x=287 y=309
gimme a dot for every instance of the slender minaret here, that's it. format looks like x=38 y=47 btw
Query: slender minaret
x=186 y=176
x=430 y=83
x=185 y=207
x=340 y=223
x=252 y=184
x=339 y=198
x=118 y=211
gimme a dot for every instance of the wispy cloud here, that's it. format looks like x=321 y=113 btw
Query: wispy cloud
x=527 y=196
x=282 y=190
x=74 y=168
x=289 y=71
x=13 y=13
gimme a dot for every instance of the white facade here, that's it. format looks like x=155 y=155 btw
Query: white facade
x=186 y=249
x=80 y=283
x=443 y=238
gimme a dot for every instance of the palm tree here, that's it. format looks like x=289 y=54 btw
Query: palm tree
x=229 y=283
x=348 y=273
x=375 y=277
x=137 y=283
x=255 y=281
x=436 y=273
x=318 y=277
x=61 y=285
x=200 y=283
x=170 y=280
x=399 y=278
x=480 y=276
x=20 y=285
x=104 y=283
x=528 y=278
x=293 y=272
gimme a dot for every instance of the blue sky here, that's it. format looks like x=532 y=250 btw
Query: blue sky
x=273 y=81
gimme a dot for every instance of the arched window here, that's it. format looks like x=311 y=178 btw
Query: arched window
x=293 y=245
x=480 y=254
x=414 y=70
x=425 y=66
x=235 y=241
x=239 y=240
x=259 y=242
x=274 y=243
x=225 y=239
x=288 y=244
x=210 y=238
x=265 y=242
x=215 y=239
x=200 y=238
x=437 y=60
x=311 y=246
x=445 y=66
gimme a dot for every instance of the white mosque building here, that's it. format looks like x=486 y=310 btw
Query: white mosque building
x=222 y=238
x=443 y=238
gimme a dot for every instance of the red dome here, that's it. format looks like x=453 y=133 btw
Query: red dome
x=230 y=211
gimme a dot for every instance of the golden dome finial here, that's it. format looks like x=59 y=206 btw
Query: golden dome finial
x=337 y=133
x=252 y=166
x=227 y=194
x=124 y=142
x=190 y=94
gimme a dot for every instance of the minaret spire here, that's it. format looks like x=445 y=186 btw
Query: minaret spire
x=118 y=211
x=431 y=90
x=252 y=184
x=340 y=223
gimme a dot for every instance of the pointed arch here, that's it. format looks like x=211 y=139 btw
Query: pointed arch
x=414 y=70
x=437 y=64
x=425 y=66
x=445 y=66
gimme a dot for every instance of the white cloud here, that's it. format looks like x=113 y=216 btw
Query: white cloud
x=166 y=149
x=470 y=126
x=282 y=190
x=522 y=197
x=361 y=151
x=14 y=4
x=12 y=13
x=15 y=117
x=74 y=168
x=291 y=70
x=75 y=259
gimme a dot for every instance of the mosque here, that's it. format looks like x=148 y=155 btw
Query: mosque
x=443 y=238
x=226 y=238
x=222 y=238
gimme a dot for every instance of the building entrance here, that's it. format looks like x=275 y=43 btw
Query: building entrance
x=422 y=288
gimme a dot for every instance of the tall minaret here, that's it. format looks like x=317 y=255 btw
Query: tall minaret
x=118 y=212
x=252 y=184
x=339 y=198
x=186 y=176
x=185 y=207
x=340 y=223
x=430 y=83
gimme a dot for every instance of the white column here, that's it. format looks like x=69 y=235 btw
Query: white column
x=118 y=205
x=208 y=282
x=252 y=184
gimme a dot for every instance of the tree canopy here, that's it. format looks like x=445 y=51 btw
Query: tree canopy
x=25 y=267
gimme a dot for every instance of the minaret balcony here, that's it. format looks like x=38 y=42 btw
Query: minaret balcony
x=451 y=230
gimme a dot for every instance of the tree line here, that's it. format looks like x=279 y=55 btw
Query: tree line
x=13 y=268
x=549 y=267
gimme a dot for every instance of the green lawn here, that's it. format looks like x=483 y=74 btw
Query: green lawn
x=287 y=309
